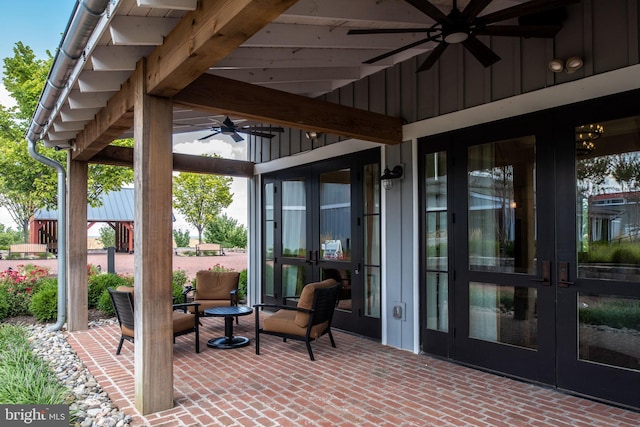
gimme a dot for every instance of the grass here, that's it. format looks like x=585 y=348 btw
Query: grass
x=24 y=377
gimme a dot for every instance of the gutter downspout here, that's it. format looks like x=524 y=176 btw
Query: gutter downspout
x=84 y=19
x=62 y=233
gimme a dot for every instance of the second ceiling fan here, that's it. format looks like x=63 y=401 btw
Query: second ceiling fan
x=228 y=127
x=463 y=27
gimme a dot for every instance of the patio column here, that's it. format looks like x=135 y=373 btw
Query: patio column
x=152 y=166
x=77 y=303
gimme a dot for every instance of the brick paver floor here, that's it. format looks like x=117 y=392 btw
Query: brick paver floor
x=360 y=383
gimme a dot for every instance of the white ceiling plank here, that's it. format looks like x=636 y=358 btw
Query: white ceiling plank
x=169 y=4
x=61 y=136
x=118 y=58
x=69 y=126
x=102 y=81
x=270 y=75
x=137 y=30
x=297 y=87
x=69 y=115
x=79 y=99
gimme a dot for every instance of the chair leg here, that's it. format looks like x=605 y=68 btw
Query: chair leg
x=309 y=350
x=333 y=343
x=120 y=345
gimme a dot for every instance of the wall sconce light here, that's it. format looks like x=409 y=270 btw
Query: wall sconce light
x=312 y=135
x=389 y=175
x=572 y=65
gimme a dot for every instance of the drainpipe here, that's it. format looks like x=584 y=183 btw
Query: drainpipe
x=62 y=233
x=84 y=19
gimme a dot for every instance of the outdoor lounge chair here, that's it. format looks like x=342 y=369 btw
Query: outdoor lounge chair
x=307 y=321
x=183 y=322
x=215 y=289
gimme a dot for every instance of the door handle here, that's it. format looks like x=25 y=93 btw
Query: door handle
x=546 y=274
x=563 y=275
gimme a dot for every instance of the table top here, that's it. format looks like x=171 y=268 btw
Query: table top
x=228 y=311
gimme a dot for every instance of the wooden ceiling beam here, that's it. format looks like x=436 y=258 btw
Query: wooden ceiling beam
x=123 y=156
x=205 y=36
x=232 y=97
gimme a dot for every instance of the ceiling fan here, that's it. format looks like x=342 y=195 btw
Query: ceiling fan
x=228 y=127
x=463 y=27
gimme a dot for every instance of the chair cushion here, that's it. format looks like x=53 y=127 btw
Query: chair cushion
x=306 y=300
x=182 y=321
x=283 y=321
x=215 y=284
x=125 y=289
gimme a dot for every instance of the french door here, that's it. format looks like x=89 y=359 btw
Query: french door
x=531 y=249
x=322 y=221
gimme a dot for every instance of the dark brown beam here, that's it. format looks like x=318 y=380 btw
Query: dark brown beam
x=220 y=95
x=123 y=156
x=204 y=37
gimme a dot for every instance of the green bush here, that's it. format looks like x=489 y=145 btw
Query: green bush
x=4 y=305
x=104 y=304
x=44 y=303
x=615 y=314
x=242 y=284
x=100 y=283
x=19 y=286
x=178 y=279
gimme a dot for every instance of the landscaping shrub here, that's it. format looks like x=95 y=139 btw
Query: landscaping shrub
x=178 y=279
x=20 y=284
x=99 y=283
x=105 y=305
x=44 y=303
x=4 y=305
x=615 y=314
x=242 y=284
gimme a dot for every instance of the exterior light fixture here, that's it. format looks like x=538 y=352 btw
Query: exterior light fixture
x=389 y=175
x=585 y=137
x=570 y=66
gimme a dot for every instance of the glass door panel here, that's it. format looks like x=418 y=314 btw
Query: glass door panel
x=335 y=215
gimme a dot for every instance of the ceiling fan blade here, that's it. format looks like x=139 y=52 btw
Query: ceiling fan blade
x=256 y=133
x=523 y=9
x=228 y=123
x=474 y=7
x=543 y=31
x=398 y=50
x=209 y=136
x=236 y=137
x=430 y=10
x=263 y=128
x=433 y=57
x=390 y=31
x=481 y=51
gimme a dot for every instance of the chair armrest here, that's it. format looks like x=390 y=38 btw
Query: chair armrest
x=185 y=305
x=187 y=289
x=233 y=297
x=282 y=307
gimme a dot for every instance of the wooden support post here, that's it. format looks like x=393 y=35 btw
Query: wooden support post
x=77 y=302
x=153 y=359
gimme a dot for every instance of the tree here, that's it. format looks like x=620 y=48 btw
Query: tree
x=200 y=197
x=107 y=237
x=27 y=185
x=8 y=236
x=181 y=238
x=226 y=231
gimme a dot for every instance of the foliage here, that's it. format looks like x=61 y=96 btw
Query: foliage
x=242 y=284
x=200 y=197
x=100 y=283
x=615 y=252
x=4 y=304
x=181 y=238
x=107 y=237
x=226 y=231
x=612 y=313
x=25 y=378
x=26 y=184
x=104 y=303
x=44 y=303
x=216 y=267
x=178 y=279
x=8 y=237
x=20 y=285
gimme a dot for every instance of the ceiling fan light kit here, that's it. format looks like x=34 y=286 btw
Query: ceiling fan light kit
x=537 y=18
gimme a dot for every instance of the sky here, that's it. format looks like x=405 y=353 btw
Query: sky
x=40 y=25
